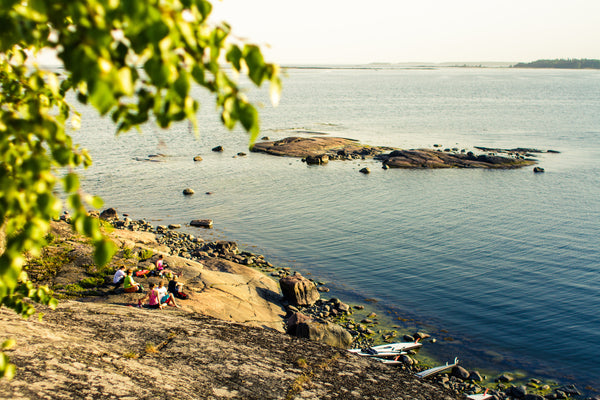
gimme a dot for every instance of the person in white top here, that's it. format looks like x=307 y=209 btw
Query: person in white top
x=119 y=276
x=164 y=296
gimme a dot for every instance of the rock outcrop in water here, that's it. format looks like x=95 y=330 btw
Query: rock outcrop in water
x=335 y=148
x=424 y=158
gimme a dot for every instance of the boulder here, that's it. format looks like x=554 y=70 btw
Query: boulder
x=203 y=223
x=460 y=372
x=570 y=390
x=298 y=290
x=109 y=213
x=294 y=320
x=317 y=160
x=406 y=360
x=365 y=170
x=343 y=307
x=197 y=158
x=518 y=391
x=538 y=169
x=328 y=333
x=217 y=149
x=188 y=191
x=174 y=226
x=475 y=376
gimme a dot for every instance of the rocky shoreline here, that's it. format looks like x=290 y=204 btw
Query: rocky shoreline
x=115 y=351
x=333 y=311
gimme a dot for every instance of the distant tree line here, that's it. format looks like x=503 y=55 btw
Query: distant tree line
x=573 y=63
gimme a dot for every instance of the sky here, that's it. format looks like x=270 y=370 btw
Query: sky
x=398 y=31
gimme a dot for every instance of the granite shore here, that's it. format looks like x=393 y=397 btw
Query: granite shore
x=227 y=341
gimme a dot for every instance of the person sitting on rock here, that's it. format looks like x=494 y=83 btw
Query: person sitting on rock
x=153 y=298
x=175 y=288
x=164 y=296
x=129 y=284
x=119 y=276
x=161 y=268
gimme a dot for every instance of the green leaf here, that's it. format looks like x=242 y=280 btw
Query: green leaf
x=7 y=370
x=102 y=96
x=62 y=155
x=249 y=118
x=182 y=85
x=125 y=81
x=71 y=181
x=96 y=202
x=275 y=91
x=204 y=7
x=234 y=56
x=8 y=344
x=256 y=64
x=104 y=251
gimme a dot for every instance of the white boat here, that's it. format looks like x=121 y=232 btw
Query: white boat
x=397 y=348
x=389 y=361
x=380 y=354
x=435 y=370
x=480 y=396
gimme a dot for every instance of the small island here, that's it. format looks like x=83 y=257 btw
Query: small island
x=319 y=150
x=571 y=63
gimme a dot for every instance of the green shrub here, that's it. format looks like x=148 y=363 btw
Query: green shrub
x=145 y=254
x=73 y=289
x=49 y=238
x=91 y=282
x=127 y=253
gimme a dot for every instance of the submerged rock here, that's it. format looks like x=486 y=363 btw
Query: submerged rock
x=203 y=223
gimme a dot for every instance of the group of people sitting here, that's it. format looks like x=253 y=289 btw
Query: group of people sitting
x=158 y=295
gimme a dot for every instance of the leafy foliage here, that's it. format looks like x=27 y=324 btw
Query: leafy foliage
x=145 y=254
x=132 y=60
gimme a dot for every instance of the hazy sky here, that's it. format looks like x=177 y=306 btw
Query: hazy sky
x=352 y=31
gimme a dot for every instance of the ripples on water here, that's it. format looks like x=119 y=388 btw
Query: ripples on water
x=506 y=261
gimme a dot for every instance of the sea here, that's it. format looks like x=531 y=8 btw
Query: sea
x=501 y=267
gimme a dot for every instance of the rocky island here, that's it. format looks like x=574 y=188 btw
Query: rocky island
x=319 y=150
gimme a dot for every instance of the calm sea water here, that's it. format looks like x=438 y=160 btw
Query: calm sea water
x=504 y=265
